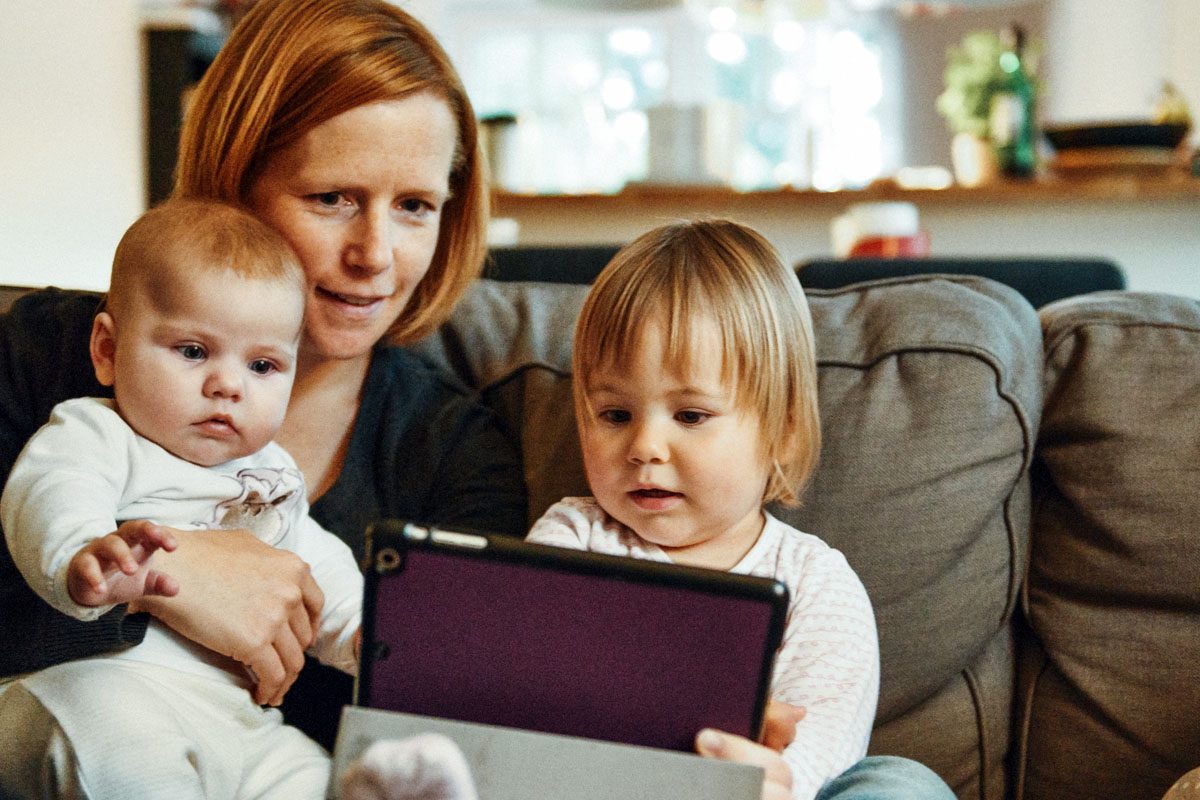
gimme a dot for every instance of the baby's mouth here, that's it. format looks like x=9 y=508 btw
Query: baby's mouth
x=218 y=425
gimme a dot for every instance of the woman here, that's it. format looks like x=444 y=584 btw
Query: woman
x=342 y=124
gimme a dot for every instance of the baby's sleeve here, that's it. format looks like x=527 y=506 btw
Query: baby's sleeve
x=63 y=492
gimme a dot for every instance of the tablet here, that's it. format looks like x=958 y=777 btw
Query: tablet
x=491 y=629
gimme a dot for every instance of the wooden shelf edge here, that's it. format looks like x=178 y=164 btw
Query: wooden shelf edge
x=1098 y=188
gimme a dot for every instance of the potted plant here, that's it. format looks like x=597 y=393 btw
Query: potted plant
x=973 y=77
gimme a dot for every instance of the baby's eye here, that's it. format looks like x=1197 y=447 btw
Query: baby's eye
x=615 y=416
x=192 y=352
x=690 y=417
x=262 y=367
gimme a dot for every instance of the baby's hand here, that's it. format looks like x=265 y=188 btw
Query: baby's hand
x=116 y=568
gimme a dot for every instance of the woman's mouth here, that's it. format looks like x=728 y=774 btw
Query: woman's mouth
x=353 y=300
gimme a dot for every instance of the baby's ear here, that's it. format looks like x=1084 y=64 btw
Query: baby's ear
x=103 y=348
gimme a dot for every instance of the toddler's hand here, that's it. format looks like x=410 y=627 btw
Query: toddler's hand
x=777 y=777
x=779 y=727
x=116 y=568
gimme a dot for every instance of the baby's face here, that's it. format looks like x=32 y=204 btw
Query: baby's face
x=207 y=371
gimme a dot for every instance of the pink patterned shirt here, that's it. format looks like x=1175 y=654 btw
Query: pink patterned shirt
x=829 y=660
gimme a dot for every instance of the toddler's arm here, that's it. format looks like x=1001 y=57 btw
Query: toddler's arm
x=116 y=568
x=828 y=665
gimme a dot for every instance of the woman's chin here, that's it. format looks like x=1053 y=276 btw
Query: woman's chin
x=338 y=345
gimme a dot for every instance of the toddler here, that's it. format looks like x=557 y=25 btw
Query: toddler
x=198 y=338
x=695 y=398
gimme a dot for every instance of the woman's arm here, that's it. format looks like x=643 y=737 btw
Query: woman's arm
x=244 y=599
x=43 y=361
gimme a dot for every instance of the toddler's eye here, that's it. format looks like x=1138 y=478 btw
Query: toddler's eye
x=615 y=416
x=691 y=417
x=262 y=367
x=192 y=352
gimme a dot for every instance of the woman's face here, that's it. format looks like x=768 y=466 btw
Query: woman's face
x=360 y=199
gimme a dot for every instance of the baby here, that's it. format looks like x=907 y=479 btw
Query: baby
x=198 y=338
x=695 y=399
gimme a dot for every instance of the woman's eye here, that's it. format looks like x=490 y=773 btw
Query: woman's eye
x=192 y=352
x=415 y=205
x=330 y=199
x=262 y=367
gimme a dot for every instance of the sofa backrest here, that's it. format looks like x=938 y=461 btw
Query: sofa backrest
x=1111 y=706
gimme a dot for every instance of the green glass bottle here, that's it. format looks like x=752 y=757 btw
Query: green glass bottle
x=1012 y=120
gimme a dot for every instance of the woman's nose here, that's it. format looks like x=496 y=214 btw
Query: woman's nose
x=371 y=250
x=647 y=445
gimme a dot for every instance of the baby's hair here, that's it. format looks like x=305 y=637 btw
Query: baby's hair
x=179 y=236
x=725 y=272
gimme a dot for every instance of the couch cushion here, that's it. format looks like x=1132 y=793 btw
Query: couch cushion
x=1114 y=583
x=930 y=397
x=512 y=342
x=929 y=393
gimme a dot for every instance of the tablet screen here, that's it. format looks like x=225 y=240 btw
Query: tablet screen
x=493 y=630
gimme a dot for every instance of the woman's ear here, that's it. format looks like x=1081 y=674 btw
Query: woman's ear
x=103 y=348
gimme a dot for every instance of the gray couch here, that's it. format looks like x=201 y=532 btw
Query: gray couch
x=1019 y=495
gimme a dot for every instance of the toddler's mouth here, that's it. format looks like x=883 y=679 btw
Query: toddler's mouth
x=653 y=493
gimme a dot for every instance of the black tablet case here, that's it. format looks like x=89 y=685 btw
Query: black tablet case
x=490 y=629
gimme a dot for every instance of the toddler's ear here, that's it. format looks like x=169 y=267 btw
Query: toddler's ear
x=103 y=347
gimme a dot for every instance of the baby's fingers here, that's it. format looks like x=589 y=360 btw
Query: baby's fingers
x=144 y=537
x=92 y=576
x=160 y=584
x=85 y=580
x=156 y=536
x=113 y=551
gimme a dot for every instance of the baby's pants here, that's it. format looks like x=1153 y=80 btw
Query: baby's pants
x=106 y=728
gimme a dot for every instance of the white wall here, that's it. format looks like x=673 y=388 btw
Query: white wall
x=1106 y=60
x=71 y=152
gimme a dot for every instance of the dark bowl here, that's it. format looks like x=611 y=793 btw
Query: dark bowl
x=1124 y=134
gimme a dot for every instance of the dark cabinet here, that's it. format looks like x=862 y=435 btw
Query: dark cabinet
x=176 y=58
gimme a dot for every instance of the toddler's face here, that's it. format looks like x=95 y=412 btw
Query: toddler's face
x=206 y=372
x=670 y=454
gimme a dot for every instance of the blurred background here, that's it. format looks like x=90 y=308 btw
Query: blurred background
x=782 y=112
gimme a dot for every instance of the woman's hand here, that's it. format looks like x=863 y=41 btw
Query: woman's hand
x=244 y=599
x=779 y=729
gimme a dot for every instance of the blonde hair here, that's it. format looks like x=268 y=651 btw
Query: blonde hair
x=182 y=236
x=289 y=66
x=724 y=272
